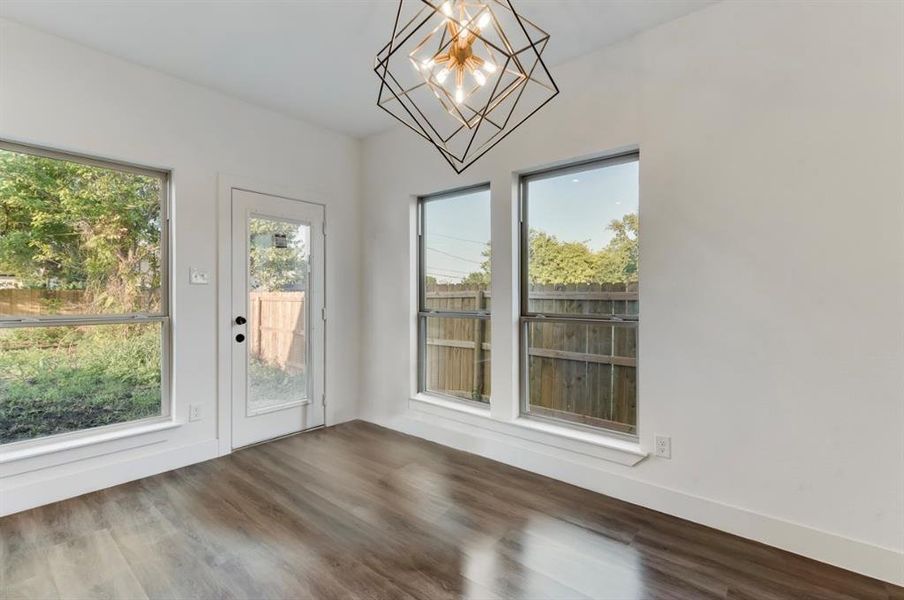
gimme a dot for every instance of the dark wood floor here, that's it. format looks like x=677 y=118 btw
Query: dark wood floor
x=357 y=511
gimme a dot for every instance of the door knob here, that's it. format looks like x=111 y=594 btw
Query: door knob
x=240 y=321
x=240 y=338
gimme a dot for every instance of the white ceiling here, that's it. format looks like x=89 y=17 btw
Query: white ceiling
x=312 y=59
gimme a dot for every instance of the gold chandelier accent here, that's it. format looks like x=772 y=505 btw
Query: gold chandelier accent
x=460 y=58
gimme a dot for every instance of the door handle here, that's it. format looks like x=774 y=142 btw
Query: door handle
x=240 y=321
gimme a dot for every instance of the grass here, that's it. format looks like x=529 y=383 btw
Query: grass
x=62 y=379
x=270 y=385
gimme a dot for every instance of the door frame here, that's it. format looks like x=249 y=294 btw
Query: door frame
x=227 y=183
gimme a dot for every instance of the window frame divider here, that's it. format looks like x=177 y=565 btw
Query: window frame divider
x=63 y=322
x=613 y=319
x=440 y=314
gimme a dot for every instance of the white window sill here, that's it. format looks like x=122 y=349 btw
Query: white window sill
x=81 y=441
x=461 y=406
x=597 y=445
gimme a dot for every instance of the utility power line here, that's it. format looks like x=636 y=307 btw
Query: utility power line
x=476 y=262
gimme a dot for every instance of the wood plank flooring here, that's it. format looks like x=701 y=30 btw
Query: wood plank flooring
x=357 y=511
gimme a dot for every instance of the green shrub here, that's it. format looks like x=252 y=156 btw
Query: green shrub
x=59 y=379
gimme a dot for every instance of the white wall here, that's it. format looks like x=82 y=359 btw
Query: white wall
x=772 y=270
x=58 y=94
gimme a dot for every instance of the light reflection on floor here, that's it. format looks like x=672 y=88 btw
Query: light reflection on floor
x=555 y=558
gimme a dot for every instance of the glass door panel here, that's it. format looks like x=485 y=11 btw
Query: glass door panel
x=278 y=276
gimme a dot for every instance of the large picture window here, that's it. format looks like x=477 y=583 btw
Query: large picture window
x=579 y=297
x=454 y=295
x=83 y=293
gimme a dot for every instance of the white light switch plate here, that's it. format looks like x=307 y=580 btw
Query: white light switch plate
x=198 y=276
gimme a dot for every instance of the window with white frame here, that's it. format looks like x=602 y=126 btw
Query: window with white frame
x=454 y=294
x=579 y=294
x=84 y=316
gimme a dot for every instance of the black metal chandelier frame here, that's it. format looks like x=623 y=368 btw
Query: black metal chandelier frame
x=513 y=64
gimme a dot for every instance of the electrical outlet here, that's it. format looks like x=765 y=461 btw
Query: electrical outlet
x=663 y=446
x=194 y=412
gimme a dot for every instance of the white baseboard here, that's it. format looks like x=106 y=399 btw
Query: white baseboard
x=874 y=561
x=15 y=499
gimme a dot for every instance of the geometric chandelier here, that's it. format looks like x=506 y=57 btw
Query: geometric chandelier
x=463 y=74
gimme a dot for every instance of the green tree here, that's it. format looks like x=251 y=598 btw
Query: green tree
x=618 y=261
x=278 y=258
x=77 y=226
x=556 y=262
x=553 y=261
x=481 y=277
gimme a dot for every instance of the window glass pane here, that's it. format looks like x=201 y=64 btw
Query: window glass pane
x=582 y=244
x=456 y=232
x=77 y=239
x=458 y=357
x=583 y=373
x=62 y=379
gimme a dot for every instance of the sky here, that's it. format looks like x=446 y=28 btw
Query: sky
x=573 y=207
x=456 y=231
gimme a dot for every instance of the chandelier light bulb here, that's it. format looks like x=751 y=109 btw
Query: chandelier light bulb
x=480 y=78
x=459 y=95
x=447 y=8
x=441 y=76
x=489 y=67
x=484 y=20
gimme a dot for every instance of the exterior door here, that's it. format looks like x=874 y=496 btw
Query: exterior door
x=277 y=317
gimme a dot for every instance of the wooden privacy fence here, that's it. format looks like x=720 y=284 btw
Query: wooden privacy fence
x=582 y=372
x=458 y=350
x=26 y=301
x=42 y=301
x=276 y=329
x=586 y=373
